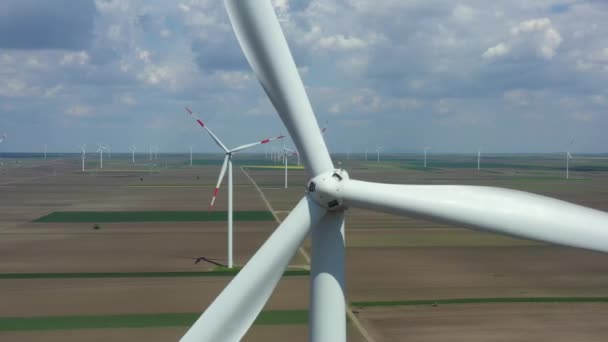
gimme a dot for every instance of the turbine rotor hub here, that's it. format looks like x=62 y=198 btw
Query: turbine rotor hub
x=326 y=189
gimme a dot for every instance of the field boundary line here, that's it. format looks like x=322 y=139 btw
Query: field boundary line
x=349 y=311
x=272 y=211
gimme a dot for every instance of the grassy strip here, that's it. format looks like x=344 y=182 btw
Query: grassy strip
x=273 y=167
x=483 y=301
x=215 y=273
x=152 y=216
x=277 y=317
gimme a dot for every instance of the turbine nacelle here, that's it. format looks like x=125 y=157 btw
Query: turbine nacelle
x=326 y=189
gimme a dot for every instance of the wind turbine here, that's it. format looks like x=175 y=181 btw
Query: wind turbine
x=100 y=149
x=286 y=153
x=2 y=138
x=366 y=154
x=479 y=159
x=378 y=148
x=45 y=151
x=150 y=149
x=84 y=152
x=426 y=149
x=133 y=148
x=568 y=157
x=228 y=163
x=190 y=155
x=321 y=211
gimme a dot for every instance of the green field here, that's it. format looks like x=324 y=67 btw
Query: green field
x=152 y=216
x=277 y=317
x=214 y=273
x=483 y=301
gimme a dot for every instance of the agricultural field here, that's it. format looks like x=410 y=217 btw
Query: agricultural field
x=130 y=252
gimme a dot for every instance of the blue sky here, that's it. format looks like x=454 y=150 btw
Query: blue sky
x=509 y=76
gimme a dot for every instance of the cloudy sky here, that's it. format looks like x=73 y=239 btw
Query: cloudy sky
x=509 y=76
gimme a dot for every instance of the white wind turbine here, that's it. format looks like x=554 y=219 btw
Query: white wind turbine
x=45 y=148
x=321 y=211
x=568 y=157
x=378 y=148
x=133 y=148
x=190 y=155
x=2 y=138
x=100 y=149
x=228 y=163
x=83 y=154
x=286 y=153
x=479 y=159
x=425 y=150
x=366 y=154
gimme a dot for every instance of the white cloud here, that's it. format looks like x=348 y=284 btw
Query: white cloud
x=128 y=99
x=517 y=96
x=13 y=87
x=79 y=111
x=499 y=50
x=537 y=34
x=539 y=24
x=582 y=116
x=75 y=58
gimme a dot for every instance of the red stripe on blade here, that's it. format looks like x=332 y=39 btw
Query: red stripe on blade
x=200 y=123
x=265 y=141
x=215 y=191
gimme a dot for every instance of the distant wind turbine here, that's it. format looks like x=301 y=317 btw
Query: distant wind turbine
x=425 y=149
x=286 y=153
x=45 y=151
x=133 y=148
x=568 y=157
x=479 y=159
x=366 y=154
x=84 y=152
x=100 y=149
x=378 y=148
x=2 y=137
x=190 y=155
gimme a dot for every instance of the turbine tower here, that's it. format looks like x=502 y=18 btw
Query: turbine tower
x=45 y=147
x=330 y=191
x=190 y=155
x=366 y=154
x=133 y=148
x=479 y=159
x=100 y=149
x=286 y=153
x=227 y=163
x=378 y=148
x=425 y=150
x=83 y=154
x=568 y=157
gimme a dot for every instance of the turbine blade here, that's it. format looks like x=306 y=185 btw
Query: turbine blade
x=236 y=308
x=261 y=38
x=219 y=181
x=265 y=141
x=505 y=211
x=216 y=139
